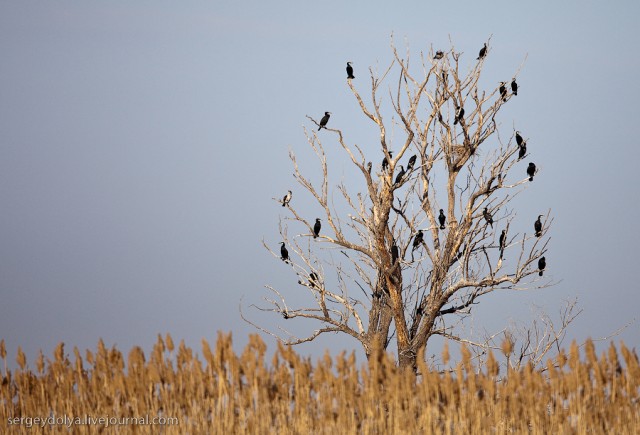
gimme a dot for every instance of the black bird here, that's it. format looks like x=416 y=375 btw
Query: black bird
x=284 y=254
x=514 y=87
x=531 y=171
x=316 y=228
x=519 y=139
x=412 y=161
x=400 y=175
x=369 y=165
x=442 y=219
x=538 y=226
x=385 y=162
x=459 y=115
x=394 y=253
x=439 y=55
x=483 y=52
x=286 y=199
x=523 y=151
x=542 y=263
x=503 y=242
x=313 y=280
x=503 y=91
x=324 y=120
x=350 y=71
x=488 y=217
x=418 y=239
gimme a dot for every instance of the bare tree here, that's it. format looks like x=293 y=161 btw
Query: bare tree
x=428 y=238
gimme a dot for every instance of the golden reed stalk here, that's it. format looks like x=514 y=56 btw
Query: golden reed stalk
x=222 y=392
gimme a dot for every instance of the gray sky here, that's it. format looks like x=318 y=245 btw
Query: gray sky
x=141 y=144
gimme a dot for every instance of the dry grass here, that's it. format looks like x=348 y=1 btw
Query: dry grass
x=228 y=393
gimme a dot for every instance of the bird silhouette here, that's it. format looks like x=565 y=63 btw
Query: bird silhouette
x=284 y=254
x=385 y=162
x=537 y=226
x=400 y=175
x=350 y=71
x=483 y=52
x=286 y=199
x=531 y=171
x=324 y=120
x=316 y=228
x=542 y=263
x=503 y=91
x=417 y=240
x=487 y=216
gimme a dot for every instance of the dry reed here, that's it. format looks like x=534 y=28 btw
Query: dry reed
x=222 y=392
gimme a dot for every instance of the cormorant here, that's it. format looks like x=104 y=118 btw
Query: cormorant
x=503 y=91
x=503 y=242
x=488 y=217
x=542 y=263
x=324 y=120
x=459 y=115
x=286 y=199
x=442 y=219
x=439 y=55
x=400 y=175
x=412 y=161
x=316 y=228
x=483 y=52
x=519 y=139
x=350 y=71
x=395 y=253
x=385 y=162
x=369 y=166
x=523 y=150
x=531 y=171
x=514 y=87
x=538 y=226
x=417 y=240
x=313 y=280
x=284 y=254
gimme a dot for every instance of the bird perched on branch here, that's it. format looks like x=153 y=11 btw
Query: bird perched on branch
x=487 y=216
x=442 y=219
x=514 y=87
x=483 y=52
x=324 y=120
x=400 y=175
x=523 y=151
x=503 y=242
x=284 y=254
x=286 y=199
x=385 y=162
x=417 y=240
x=538 y=226
x=519 y=138
x=412 y=161
x=459 y=115
x=503 y=91
x=395 y=253
x=313 y=280
x=531 y=171
x=439 y=55
x=350 y=71
x=542 y=263
x=316 y=228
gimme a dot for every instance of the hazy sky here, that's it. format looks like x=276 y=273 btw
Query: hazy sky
x=141 y=143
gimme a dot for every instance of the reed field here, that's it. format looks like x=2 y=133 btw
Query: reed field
x=173 y=391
